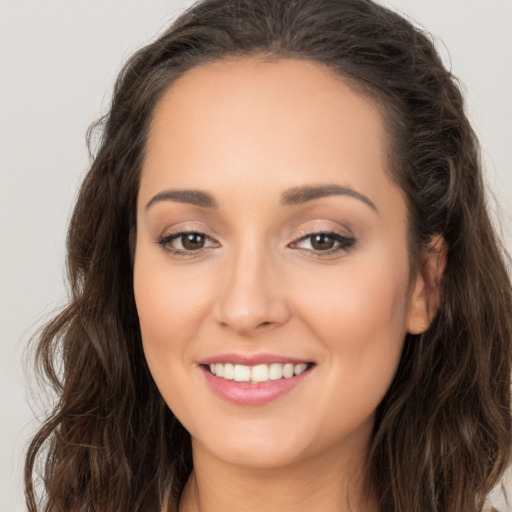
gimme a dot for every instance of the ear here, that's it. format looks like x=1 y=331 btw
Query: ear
x=425 y=293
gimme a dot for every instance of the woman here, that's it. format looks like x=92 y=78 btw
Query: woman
x=287 y=293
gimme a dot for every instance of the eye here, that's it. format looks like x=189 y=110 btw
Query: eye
x=186 y=242
x=324 y=242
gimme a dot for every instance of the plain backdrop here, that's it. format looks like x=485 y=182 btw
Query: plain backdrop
x=58 y=60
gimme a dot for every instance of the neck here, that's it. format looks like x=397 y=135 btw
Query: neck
x=324 y=482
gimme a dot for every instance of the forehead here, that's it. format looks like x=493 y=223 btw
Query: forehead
x=284 y=121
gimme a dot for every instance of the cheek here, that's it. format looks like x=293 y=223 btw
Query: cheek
x=169 y=309
x=363 y=312
x=364 y=296
x=360 y=314
x=169 y=312
x=168 y=302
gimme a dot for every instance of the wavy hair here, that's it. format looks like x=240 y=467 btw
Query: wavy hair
x=442 y=434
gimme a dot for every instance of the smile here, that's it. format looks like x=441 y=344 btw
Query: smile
x=263 y=381
x=258 y=373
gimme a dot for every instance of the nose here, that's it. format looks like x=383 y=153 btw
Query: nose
x=252 y=296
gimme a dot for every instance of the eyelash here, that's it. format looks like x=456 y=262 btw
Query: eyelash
x=344 y=243
x=164 y=242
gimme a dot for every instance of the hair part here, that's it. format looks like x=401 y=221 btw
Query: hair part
x=442 y=435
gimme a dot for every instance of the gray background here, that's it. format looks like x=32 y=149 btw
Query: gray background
x=58 y=60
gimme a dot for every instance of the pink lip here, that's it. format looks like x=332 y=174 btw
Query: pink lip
x=246 y=393
x=251 y=360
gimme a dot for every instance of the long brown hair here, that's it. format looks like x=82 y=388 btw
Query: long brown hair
x=442 y=434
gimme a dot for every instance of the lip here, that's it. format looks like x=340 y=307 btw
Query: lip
x=246 y=393
x=251 y=359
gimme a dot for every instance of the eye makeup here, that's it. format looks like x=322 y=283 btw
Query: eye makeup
x=185 y=243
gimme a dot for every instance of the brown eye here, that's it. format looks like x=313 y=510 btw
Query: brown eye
x=192 y=241
x=187 y=243
x=322 y=242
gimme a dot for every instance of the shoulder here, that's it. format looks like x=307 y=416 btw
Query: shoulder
x=500 y=499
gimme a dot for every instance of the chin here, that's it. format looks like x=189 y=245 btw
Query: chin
x=256 y=456
x=255 y=450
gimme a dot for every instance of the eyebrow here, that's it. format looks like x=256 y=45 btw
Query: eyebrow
x=291 y=197
x=194 y=197
x=300 y=195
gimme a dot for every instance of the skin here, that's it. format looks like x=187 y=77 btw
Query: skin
x=245 y=131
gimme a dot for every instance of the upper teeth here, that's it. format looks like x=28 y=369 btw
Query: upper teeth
x=258 y=373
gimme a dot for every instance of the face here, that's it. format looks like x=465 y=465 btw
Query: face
x=271 y=269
